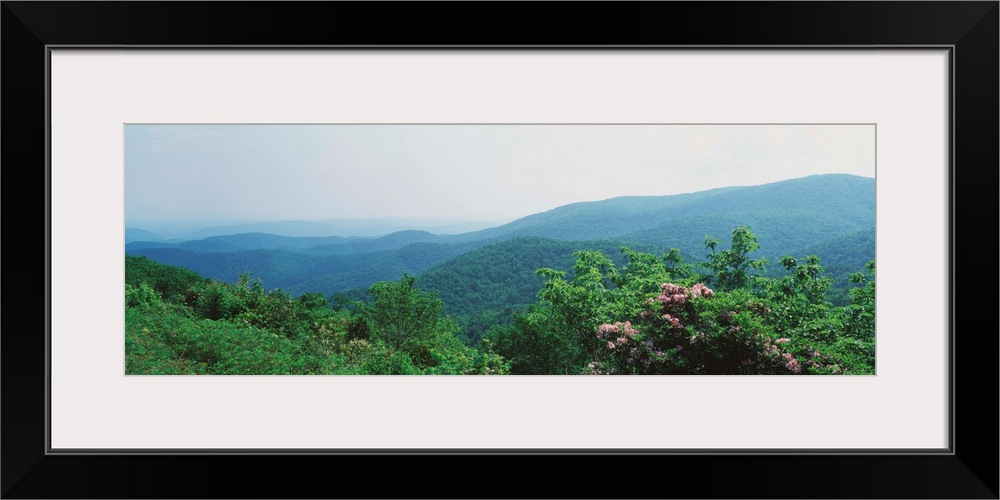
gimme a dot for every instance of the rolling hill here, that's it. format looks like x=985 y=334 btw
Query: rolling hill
x=822 y=214
x=138 y=234
x=791 y=213
x=300 y=273
x=242 y=241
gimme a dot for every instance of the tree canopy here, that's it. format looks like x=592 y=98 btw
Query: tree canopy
x=631 y=313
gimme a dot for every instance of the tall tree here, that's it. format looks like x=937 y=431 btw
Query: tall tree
x=733 y=267
x=400 y=315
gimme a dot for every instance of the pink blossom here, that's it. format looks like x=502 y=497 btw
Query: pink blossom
x=700 y=290
x=606 y=330
x=782 y=340
x=792 y=364
x=672 y=320
x=629 y=331
x=611 y=345
x=621 y=340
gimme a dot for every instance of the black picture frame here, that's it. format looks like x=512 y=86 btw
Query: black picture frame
x=969 y=470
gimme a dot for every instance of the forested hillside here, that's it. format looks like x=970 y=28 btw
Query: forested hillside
x=241 y=241
x=664 y=316
x=299 y=272
x=788 y=217
x=487 y=286
x=841 y=257
x=644 y=314
x=177 y=322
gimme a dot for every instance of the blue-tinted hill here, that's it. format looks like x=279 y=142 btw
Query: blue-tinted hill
x=786 y=215
x=789 y=217
x=299 y=273
x=242 y=241
x=392 y=241
x=137 y=234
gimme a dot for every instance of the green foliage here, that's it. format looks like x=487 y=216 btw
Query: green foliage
x=654 y=316
x=856 y=321
x=557 y=335
x=238 y=328
x=842 y=256
x=633 y=313
x=800 y=297
x=141 y=296
x=172 y=283
x=790 y=218
x=407 y=320
x=537 y=343
x=156 y=343
x=301 y=270
x=378 y=359
x=489 y=285
x=732 y=268
x=401 y=316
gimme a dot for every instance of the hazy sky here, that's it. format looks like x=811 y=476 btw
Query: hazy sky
x=459 y=172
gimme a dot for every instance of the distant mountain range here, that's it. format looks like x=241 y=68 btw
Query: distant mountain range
x=179 y=231
x=137 y=234
x=786 y=215
x=822 y=214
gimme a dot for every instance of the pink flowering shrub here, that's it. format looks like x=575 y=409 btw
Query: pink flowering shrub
x=692 y=330
x=625 y=347
x=654 y=316
x=672 y=336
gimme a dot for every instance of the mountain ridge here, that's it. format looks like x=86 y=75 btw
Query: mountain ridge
x=787 y=216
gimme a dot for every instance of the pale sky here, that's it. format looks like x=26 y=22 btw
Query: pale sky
x=459 y=172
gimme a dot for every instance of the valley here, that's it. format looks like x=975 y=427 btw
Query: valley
x=490 y=283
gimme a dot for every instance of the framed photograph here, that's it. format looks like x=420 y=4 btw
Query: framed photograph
x=444 y=249
x=262 y=242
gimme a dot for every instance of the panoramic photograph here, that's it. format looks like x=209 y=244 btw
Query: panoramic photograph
x=499 y=249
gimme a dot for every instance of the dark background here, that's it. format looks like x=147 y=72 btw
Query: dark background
x=971 y=472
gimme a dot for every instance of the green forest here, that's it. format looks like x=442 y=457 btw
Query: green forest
x=597 y=308
x=830 y=215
